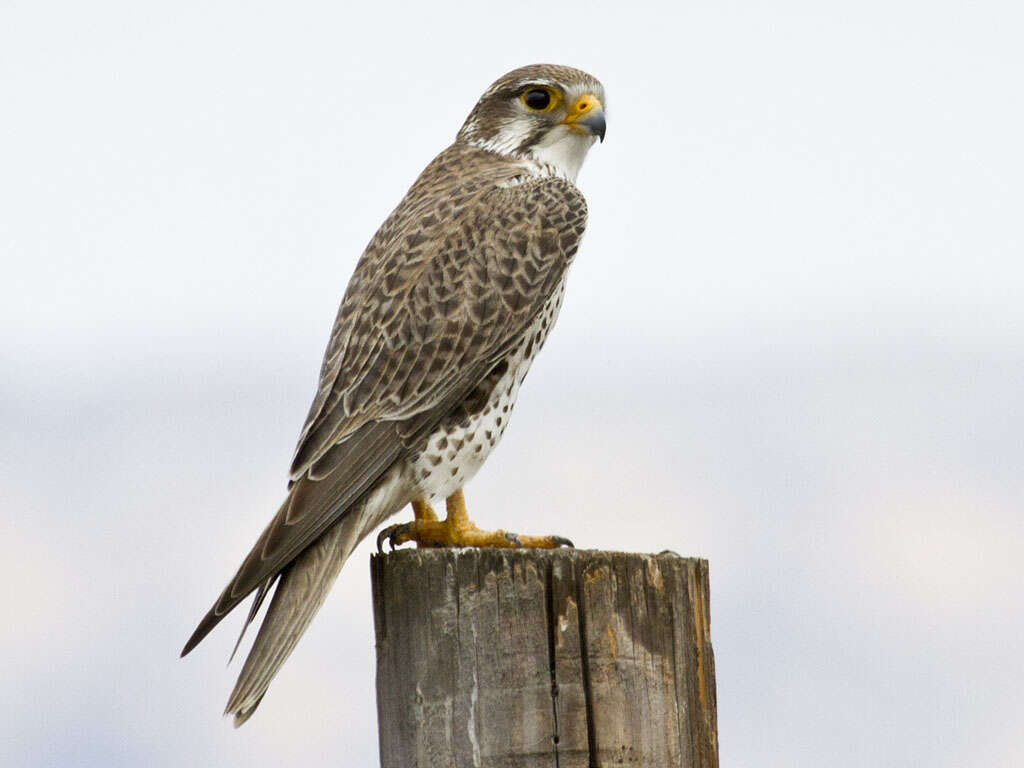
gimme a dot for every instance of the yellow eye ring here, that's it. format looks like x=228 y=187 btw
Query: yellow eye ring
x=540 y=98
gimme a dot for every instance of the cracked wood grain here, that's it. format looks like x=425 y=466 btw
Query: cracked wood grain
x=562 y=659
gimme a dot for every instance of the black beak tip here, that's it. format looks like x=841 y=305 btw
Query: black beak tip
x=596 y=124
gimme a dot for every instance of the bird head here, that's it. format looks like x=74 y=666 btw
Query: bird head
x=548 y=113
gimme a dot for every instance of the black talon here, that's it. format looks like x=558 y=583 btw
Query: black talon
x=561 y=541
x=514 y=538
x=391 y=533
x=400 y=530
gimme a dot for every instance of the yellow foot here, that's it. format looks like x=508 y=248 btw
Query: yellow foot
x=456 y=530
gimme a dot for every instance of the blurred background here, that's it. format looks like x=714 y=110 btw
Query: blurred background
x=793 y=344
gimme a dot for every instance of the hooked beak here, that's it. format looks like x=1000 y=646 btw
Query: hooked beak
x=586 y=115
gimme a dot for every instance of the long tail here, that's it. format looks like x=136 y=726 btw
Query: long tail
x=300 y=592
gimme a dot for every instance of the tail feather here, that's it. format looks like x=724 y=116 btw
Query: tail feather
x=257 y=601
x=300 y=592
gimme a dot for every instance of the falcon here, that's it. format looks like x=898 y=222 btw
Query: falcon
x=447 y=307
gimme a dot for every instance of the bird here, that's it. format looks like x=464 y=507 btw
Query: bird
x=447 y=308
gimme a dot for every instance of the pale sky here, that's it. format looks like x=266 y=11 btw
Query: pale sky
x=793 y=343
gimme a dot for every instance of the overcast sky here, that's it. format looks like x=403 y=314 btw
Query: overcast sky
x=793 y=343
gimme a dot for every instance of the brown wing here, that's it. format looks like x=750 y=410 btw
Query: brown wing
x=444 y=291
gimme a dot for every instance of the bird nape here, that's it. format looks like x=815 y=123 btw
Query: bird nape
x=447 y=308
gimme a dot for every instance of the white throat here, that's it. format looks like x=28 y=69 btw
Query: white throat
x=560 y=153
x=563 y=151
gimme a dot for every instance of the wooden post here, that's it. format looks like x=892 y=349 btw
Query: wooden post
x=502 y=658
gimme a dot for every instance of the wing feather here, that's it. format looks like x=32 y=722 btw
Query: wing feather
x=444 y=291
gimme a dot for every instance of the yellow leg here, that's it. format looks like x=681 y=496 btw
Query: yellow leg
x=423 y=512
x=457 y=530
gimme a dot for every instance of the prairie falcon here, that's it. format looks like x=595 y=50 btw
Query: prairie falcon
x=445 y=311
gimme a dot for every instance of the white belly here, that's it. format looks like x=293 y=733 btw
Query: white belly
x=455 y=452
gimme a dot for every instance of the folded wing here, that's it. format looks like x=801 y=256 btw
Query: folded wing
x=444 y=291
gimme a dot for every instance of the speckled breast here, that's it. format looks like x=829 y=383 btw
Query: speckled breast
x=454 y=452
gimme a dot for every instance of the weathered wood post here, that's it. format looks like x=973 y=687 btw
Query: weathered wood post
x=500 y=658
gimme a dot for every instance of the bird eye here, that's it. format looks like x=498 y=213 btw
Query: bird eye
x=537 y=99
x=540 y=99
